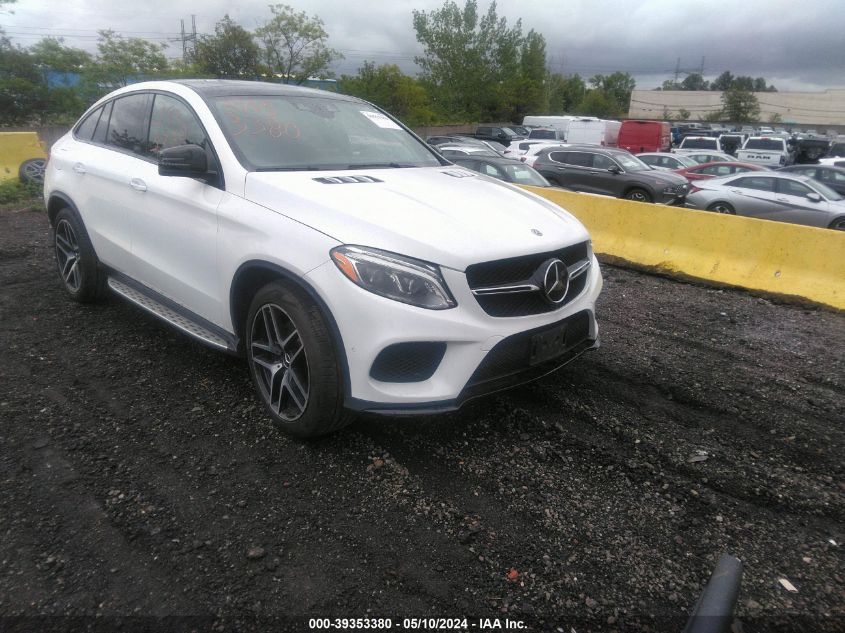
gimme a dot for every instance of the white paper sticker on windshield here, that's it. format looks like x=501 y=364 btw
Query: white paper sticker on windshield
x=379 y=119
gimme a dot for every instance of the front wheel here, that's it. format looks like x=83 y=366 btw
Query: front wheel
x=722 y=207
x=838 y=224
x=293 y=362
x=639 y=195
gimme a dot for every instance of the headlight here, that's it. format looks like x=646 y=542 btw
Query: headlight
x=393 y=276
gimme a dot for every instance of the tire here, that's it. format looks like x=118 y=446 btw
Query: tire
x=295 y=368
x=76 y=260
x=638 y=195
x=722 y=207
x=838 y=224
x=32 y=170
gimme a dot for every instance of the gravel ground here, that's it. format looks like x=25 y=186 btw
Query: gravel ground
x=139 y=476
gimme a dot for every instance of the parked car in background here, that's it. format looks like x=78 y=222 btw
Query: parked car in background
x=771 y=151
x=833 y=177
x=437 y=141
x=530 y=155
x=771 y=196
x=719 y=169
x=547 y=134
x=22 y=156
x=666 y=160
x=708 y=157
x=466 y=150
x=503 y=135
x=731 y=142
x=611 y=172
x=351 y=266
x=520 y=129
x=590 y=131
x=698 y=143
x=519 y=148
x=504 y=169
x=645 y=136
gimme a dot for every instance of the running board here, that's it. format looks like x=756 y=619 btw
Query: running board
x=169 y=315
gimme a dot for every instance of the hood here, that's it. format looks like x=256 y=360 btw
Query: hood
x=446 y=215
x=663 y=177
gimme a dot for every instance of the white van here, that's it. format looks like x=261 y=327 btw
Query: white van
x=557 y=122
x=590 y=131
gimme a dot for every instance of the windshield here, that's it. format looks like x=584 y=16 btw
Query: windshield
x=631 y=163
x=764 y=144
x=686 y=161
x=542 y=134
x=524 y=175
x=698 y=143
x=283 y=132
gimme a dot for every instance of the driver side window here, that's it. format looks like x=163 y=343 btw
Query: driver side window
x=172 y=124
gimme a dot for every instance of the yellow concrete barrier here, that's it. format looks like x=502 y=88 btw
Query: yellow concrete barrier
x=15 y=148
x=773 y=257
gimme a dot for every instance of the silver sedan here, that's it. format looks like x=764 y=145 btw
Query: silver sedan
x=771 y=196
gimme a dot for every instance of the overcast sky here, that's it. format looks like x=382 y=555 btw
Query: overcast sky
x=795 y=45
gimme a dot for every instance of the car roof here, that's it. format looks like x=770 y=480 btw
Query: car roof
x=208 y=88
x=729 y=163
x=497 y=160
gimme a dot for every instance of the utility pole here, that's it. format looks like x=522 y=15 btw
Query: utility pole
x=184 y=44
x=187 y=37
x=701 y=70
x=677 y=70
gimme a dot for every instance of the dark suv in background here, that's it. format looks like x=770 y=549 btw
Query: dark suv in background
x=610 y=172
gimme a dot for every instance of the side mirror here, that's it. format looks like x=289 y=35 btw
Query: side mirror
x=814 y=197
x=189 y=161
x=615 y=169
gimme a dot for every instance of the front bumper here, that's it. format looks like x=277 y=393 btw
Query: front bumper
x=368 y=323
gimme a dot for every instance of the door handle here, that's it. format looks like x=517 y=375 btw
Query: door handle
x=79 y=168
x=783 y=199
x=138 y=184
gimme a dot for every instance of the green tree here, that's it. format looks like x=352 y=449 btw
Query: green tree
x=295 y=45
x=740 y=105
x=667 y=114
x=684 y=114
x=22 y=89
x=230 y=53
x=470 y=59
x=775 y=118
x=387 y=87
x=121 y=60
x=597 y=103
x=723 y=82
x=617 y=88
x=565 y=93
x=715 y=116
x=694 y=81
x=52 y=54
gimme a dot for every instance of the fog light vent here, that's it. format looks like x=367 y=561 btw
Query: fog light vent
x=408 y=362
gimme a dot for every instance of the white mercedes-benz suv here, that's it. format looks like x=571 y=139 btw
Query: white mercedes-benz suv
x=354 y=267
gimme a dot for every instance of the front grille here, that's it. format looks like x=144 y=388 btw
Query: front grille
x=511 y=356
x=515 y=269
x=408 y=362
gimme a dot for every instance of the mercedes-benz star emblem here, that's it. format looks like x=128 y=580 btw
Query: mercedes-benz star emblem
x=556 y=281
x=537 y=232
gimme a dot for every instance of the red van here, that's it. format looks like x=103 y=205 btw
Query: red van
x=645 y=136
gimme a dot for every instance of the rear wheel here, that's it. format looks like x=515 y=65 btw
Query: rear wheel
x=722 y=207
x=75 y=258
x=293 y=362
x=639 y=195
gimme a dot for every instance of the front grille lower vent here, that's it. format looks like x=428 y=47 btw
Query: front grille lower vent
x=408 y=362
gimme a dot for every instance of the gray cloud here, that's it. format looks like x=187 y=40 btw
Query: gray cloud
x=794 y=45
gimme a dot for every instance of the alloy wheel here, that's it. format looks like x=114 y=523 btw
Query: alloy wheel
x=67 y=256
x=33 y=170
x=279 y=362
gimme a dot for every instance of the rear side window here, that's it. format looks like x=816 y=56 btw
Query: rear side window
x=85 y=130
x=102 y=130
x=579 y=159
x=173 y=123
x=128 y=124
x=755 y=182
